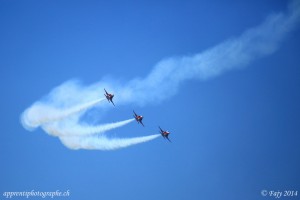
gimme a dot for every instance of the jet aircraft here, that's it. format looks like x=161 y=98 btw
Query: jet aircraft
x=165 y=134
x=138 y=118
x=109 y=97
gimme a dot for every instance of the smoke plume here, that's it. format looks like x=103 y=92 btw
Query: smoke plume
x=60 y=111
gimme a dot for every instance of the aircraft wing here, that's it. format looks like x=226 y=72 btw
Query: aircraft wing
x=168 y=138
x=105 y=91
x=142 y=123
x=160 y=129
x=112 y=102
x=134 y=114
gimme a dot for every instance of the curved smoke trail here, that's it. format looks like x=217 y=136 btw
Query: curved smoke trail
x=60 y=123
x=167 y=75
x=165 y=78
x=41 y=113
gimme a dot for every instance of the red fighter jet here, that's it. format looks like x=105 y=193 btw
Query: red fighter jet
x=138 y=118
x=165 y=134
x=109 y=97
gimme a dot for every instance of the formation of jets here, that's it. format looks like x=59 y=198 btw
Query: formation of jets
x=138 y=118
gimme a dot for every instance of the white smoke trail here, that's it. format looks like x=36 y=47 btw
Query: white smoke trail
x=104 y=143
x=167 y=75
x=164 y=79
x=74 y=129
x=257 y=42
x=41 y=113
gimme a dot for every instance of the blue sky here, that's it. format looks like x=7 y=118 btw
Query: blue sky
x=233 y=135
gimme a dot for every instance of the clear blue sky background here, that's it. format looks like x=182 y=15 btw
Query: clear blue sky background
x=233 y=135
